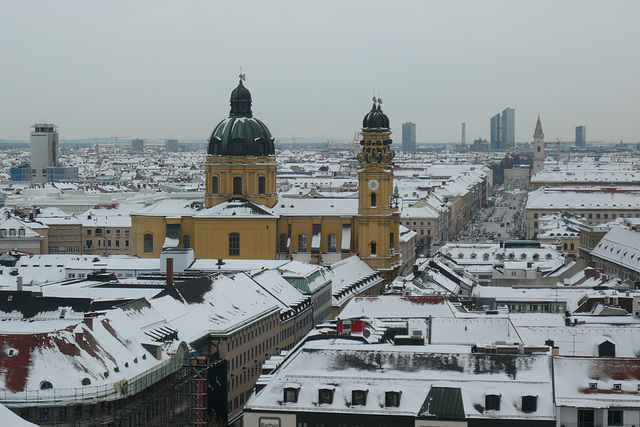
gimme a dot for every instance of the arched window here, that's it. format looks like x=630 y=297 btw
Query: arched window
x=148 y=243
x=536 y=257
x=214 y=185
x=302 y=243
x=523 y=256
x=374 y=248
x=332 y=243
x=485 y=257
x=564 y=246
x=283 y=243
x=373 y=200
x=86 y=381
x=237 y=186
x=262 y=185
x=45 y=385
x=186 y=241
x=538 y=149
x=573 y=246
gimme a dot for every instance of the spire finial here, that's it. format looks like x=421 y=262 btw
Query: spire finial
x=242 y=77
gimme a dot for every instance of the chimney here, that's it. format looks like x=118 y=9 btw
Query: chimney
x=88 y=320
x=19 y=284
x=169 y=272
x=78 y=332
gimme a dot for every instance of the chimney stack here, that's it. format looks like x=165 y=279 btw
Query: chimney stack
x=169 y=272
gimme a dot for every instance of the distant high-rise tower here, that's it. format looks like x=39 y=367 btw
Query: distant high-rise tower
x=508 y=128
x=44 y=150
x=581 y=136
x=495 y=132
x=538 y=148
x=171 y=145
x=409 y=137
x=464 y=133
x=503 y=130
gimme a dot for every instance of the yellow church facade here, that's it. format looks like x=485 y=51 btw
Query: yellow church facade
x=242 y=216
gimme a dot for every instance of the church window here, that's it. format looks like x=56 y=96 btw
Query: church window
x=214 y=185
x=148 y=243
x=262 y=185
x=573 y=246
x=237 y=186
x=373 y=248
x=302 y=243
x=373 y=200
x=283 y=243
x=234 y=244
x=333 y=243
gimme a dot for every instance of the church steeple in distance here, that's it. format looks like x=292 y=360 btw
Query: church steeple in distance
x=538 y=132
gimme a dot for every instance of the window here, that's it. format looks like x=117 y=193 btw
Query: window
x=325 y=395
x=62 y=413
x=573 y=246
x=214 y=185
x=186 y=241
x=86 y=381
x=234 y=244
x=392 y=239
x=373 y=200
x=44 y=415
x=359 y=397
x=492 y=402
x=12 y=232
x=392 y=399
x=586 y=418
x=302 y=243
x=88 y=232
x=148 y=243
x=332 y=245
x=614 y=417
x=98 y=232
x=45 y=385
x=117 y=243
x=21 y=232
x=529 y=404
x=237 y=186
x=374 y=248
x=3 y=232
x=262 y=184
x=283 y=243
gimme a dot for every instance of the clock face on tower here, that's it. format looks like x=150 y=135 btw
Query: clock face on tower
x=373 y=184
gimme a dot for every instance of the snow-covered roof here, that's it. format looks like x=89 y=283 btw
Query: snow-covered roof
x=326 y=206
x=620 y=246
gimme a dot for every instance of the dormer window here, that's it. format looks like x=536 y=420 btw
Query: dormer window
x=617 y=387
x=392 y=399
x=529 y=404
x=325 y=395
x=492 y=402
x=291 y=394
x=593 y=386
x=45 y=385
x=359 y=397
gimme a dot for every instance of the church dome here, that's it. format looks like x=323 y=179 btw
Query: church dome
x=241 y=134
x=375 y=119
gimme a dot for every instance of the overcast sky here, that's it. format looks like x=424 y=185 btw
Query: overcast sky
x=160 y=69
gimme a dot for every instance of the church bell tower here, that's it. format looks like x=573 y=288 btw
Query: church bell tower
x=377 y=222
x=538 y=149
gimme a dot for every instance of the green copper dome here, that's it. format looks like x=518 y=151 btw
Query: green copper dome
x=241 y=134
x=375 y=119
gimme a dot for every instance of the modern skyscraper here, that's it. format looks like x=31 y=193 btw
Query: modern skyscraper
x=44 y=150
x=581 y=136
x=137 y=144
x=409 y=137
x=503 y=130
x=495 y=132
x=508 y=128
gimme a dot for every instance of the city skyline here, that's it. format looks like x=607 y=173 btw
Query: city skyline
x=158 y=69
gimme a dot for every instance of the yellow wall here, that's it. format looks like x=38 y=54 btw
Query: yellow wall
x=257 y=237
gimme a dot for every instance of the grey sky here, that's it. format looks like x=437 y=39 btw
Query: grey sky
x=166 y=68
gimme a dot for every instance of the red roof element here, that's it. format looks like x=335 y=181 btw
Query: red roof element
x=619 y=369
x=425 y=299
x=16 y=368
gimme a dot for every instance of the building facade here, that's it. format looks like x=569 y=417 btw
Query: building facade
x=44 y=150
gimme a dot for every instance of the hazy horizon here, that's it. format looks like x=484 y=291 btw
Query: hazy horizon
x=166 y=69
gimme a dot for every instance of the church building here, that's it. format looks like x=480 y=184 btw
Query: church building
x=242 y=217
